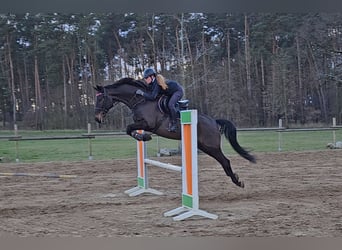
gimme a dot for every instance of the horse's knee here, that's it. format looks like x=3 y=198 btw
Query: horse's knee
x=146 y=137
x=128 y=130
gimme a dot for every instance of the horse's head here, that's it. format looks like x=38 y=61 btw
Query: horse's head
x=123 y=90
x=103 y=103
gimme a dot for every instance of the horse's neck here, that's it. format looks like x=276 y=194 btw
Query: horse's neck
x=129 y=98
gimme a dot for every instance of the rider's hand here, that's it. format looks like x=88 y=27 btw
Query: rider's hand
x=139 y=92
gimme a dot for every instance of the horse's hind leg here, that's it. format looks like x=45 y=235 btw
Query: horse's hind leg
x=217 y=154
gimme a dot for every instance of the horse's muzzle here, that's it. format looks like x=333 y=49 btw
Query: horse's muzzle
x=99 y=118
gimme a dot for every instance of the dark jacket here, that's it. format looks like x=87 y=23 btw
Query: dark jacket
x=173 y=86
x=153 y=91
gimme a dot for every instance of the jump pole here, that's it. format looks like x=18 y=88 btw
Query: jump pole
x=189 y=170
x=62 y=176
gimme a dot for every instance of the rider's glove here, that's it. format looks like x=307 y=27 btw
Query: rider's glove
x=139 y=92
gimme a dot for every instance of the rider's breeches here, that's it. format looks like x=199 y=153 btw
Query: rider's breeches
x=172 y=104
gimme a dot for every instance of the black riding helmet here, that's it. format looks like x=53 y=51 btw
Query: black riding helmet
x=148 y=72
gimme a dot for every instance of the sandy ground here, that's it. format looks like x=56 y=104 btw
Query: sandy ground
x=285 y=194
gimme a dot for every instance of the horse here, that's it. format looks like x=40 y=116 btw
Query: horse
x=148 y=116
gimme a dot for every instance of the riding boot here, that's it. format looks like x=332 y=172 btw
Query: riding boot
x=173 y=126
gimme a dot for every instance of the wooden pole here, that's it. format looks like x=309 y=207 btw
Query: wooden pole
x=89 y=143
x=280 y=122
x=334 y=134
x=16 y=143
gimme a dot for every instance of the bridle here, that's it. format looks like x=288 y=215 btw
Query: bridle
x=131 y=103
x=106 y=98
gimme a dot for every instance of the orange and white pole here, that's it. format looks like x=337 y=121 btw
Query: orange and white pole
x=190 y=197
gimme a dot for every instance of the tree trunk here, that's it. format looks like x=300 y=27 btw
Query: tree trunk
x=275 y=84
x=65 y=105
x=151 y=36
x=318 y=85
x=14 y=101
x=229 y=76
x=247 y=58
x=26 y=87
x=122 y=56
x=37 y=95
x=300 y=97
x=284 y=91
x=3 y=96
x=264 y=93
x=248 y=72
x=193 y=86
x=205 y=80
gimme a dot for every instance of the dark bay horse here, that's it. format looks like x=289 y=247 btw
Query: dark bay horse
x=148 y=117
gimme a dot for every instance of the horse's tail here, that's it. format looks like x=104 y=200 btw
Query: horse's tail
x=229 y=131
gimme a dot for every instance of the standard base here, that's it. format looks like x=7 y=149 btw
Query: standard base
x=185 y=212
x=140 y=190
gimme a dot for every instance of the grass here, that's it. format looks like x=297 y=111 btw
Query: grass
x=123 y=147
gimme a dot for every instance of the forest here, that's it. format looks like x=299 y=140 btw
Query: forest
x=250 y=68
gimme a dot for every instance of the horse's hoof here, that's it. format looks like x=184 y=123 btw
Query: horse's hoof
x=239 y=183
x=147 y=137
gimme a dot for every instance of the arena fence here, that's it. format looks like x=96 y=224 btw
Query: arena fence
x=90 y=136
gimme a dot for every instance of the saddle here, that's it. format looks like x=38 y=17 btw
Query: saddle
x=180 y=105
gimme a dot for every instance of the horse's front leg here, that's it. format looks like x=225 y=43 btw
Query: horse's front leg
x=131 y=130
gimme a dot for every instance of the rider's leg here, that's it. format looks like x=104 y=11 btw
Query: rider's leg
x=173 y=112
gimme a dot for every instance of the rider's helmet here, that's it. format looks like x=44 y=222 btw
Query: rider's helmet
x=148 y=72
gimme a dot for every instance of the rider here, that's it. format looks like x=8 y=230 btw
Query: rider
x=159 y=85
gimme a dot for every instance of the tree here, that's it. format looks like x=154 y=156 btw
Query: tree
x=252 y=68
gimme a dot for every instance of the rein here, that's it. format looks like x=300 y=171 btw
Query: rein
x=131 y=103
x=105 y=96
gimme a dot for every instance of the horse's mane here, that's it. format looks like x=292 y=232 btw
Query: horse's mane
x=128 y=81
